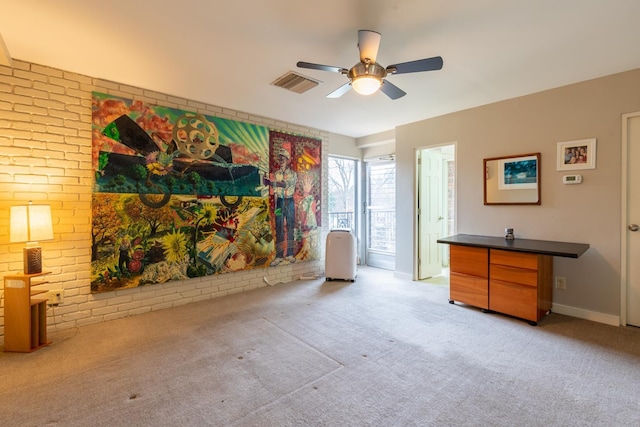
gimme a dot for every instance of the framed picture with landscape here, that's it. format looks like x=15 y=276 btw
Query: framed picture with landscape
x=518 y=173
x=512 y=180
x=574 y=155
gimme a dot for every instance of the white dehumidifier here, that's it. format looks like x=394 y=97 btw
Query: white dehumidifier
x=340 y=256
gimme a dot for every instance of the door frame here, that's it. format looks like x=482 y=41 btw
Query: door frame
x=624 y=170
x=357 y=203
x=376 y=258
x=416 y=219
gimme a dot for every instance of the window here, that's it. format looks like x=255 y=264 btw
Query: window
x=342 y=193
x=381 y=214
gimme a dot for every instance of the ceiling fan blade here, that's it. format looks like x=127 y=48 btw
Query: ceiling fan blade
x=329 y=68
x=368 y=43
x=340 y=91
x=428 y=64
x=391 y=90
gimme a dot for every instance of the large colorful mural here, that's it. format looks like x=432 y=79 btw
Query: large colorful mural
x=179 y=194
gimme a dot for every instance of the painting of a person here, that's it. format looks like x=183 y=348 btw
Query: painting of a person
x=307 y=208
x=284 y=187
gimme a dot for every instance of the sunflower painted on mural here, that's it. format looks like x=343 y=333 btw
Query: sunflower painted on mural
x=175 y=246
x=159 y=163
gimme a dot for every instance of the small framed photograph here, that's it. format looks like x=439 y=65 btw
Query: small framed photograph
x=518 y=173
x=574 y=155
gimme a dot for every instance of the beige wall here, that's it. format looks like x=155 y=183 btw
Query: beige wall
x=586 y=213
x=377 y=145
x=45 y=156
x=344 y=146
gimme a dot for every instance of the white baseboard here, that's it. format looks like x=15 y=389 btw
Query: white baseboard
x=581 y=313
x=404 y=276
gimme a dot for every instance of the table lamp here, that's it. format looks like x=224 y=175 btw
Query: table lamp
x=31 y=223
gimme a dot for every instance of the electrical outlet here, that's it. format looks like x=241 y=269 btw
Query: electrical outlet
x=55 y=297
x=561 y=283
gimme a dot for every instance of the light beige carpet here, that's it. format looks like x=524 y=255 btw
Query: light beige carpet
x=378 y=352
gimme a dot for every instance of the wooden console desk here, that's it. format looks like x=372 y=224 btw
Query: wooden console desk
x=25 y=313
x=513 y=277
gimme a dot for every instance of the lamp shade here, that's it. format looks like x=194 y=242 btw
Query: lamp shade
x=30 y=223
x=366 y=85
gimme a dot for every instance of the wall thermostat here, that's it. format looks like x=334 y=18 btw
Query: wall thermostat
x=572 y=179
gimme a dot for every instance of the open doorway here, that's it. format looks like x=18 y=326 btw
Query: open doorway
x=435 y=202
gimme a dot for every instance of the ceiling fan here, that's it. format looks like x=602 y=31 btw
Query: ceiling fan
x=367 y=76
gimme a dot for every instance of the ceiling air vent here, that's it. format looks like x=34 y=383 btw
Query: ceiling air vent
x=295 y=82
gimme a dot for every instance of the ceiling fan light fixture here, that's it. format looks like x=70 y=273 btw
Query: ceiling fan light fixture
x=366 y=85
x=366 y=77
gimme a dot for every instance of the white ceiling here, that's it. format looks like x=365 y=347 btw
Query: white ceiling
x=227 y=53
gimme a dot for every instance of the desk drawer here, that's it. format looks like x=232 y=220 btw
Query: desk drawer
x=514 y=274
x=514 y=259
x=469 y=260
x=514 y=299
x=467 y=289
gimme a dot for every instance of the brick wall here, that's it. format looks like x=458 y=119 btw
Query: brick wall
x=45 y=156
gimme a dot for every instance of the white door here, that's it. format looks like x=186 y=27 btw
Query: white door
x=381 y=214
x=430 y=212
x=633 y=220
